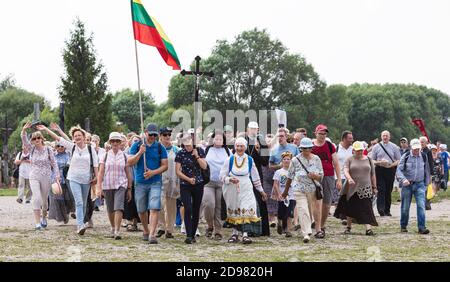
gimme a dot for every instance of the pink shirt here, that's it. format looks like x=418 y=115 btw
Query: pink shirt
x=115 y=175
x=42 y=161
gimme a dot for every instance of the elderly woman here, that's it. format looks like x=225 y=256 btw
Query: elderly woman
x=189 y=164
x=355 y=203
x=42 y=164
x=114 y=181
x=304 y=175
x=61 y=205
x=239 y=174
x=83 y=170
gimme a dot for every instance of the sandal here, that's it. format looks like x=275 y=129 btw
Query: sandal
x=218 y=237
x=233 y=239
x=369 y=232
x=132 y=228
x=209 y=232
x=246 y=240
x=348 y=230
x=320 y=235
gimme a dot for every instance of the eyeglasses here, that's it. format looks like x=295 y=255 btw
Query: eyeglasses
x=322 y=133
x=59 y=146
x=166 y=134
x=153 y=135
x=36 y=138
x=115 y=141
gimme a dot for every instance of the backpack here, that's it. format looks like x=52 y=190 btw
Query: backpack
x=106 y=157
x=16 y=170
x=250 y=164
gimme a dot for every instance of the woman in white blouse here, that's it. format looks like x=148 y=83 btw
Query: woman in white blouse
x=82 y=172
x=239 y=174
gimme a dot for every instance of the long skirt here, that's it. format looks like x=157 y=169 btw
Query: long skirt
x=241 y=204
x=360 y=210
x=61 y=205
x=130 y=210
x=267 y=183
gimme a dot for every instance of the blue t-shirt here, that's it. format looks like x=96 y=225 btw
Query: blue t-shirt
x=444 y=158
x=275 y=154
x=153 y=161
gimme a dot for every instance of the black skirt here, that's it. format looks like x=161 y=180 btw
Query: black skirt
x=360 y=210
x=130 y=210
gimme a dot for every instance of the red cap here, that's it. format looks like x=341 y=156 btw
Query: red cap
x=321 y=127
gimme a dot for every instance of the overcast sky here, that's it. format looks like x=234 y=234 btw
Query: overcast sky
x=347 y=41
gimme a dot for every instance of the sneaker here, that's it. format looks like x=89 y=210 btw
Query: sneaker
x=90 y=224
x=273 y=225
x=27 y=202
x=81 y=230
x=110 y=235
x=160 y=233
x=188 y=240
x=169 y=235
x=424 y=231
x=145 y=237
x=38 y=227
x=306 y=239
x=288 y=234
x=44 y=222
x=403 y=230
x=153 y=241
x=72 y=215
x=209 y=232
x=183 y=229
x=279 y=229
x=117 y=236
x=19 y=201
x=197 y=233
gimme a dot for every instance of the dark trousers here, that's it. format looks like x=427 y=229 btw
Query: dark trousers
x=90 y=205
x=385 y=183
x=265 y=230
x=191 y=196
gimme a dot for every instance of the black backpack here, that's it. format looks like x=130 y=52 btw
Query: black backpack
x=16 y=170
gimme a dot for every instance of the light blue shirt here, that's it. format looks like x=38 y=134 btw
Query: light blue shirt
x=416 y=170
x=216 y=158
x=275 y=154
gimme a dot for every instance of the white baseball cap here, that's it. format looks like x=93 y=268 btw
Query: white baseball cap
x=443 y=146
x=415 y=144
x=253 y=124
x=115 y=136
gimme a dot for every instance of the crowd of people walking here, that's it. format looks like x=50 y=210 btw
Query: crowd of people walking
x=229 y=180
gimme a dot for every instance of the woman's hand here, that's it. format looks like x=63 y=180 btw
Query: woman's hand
x=54 y=126
x=41 y=127
x=234 y=180
x=99 y=191
x=351 y=181
x=129 y=195
x=26 y=126
x=195 y=153
x=192 y=181
x=264 y=196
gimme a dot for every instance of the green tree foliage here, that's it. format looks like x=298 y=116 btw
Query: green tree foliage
x=47 y=116
x=252 y=72
x=84 y=84
x=125 y=106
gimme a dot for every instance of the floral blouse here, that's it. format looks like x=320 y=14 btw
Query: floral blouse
x=42 y=161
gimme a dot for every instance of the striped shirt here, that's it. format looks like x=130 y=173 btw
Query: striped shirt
x=115 y=175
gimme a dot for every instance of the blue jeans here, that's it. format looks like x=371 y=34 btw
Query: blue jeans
x=80 y=193
x=148 y=196
x=417 y=189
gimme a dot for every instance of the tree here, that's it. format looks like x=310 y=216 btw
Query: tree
x=253 y=72
x=84 y=84
x=7 y=82
x=125 y=105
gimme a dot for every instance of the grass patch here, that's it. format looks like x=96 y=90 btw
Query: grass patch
x=441 y=195
x=8 y=192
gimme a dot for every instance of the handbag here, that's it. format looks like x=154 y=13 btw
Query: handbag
x=319 y=192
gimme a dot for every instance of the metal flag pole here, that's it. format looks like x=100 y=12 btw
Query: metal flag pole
x=139 y=90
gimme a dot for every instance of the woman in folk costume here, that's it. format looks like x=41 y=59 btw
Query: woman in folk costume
x=239 y=174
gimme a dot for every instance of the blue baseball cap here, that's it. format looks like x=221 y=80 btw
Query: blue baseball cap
x=152 y=128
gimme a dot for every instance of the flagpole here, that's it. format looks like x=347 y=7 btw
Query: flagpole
x=139 y=90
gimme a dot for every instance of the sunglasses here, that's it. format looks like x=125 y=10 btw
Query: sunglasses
x=153 y=135
x=36 y=138
x=166 y=134
x=306 y=149
x=59 y=146
x=322 y=133
x=115 y=141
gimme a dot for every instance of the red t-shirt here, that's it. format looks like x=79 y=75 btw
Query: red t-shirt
x=323 y=152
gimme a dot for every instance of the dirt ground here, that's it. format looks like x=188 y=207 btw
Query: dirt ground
x=19 y=241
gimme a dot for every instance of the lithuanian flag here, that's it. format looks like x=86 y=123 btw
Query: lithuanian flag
x=148 y=31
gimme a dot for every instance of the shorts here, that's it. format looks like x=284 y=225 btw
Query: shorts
x=115 y=199
x=148 y=196
x=285 y=212
x=328 y=185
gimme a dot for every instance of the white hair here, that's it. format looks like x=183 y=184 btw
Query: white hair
x=423 y=138
x=240 y=141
